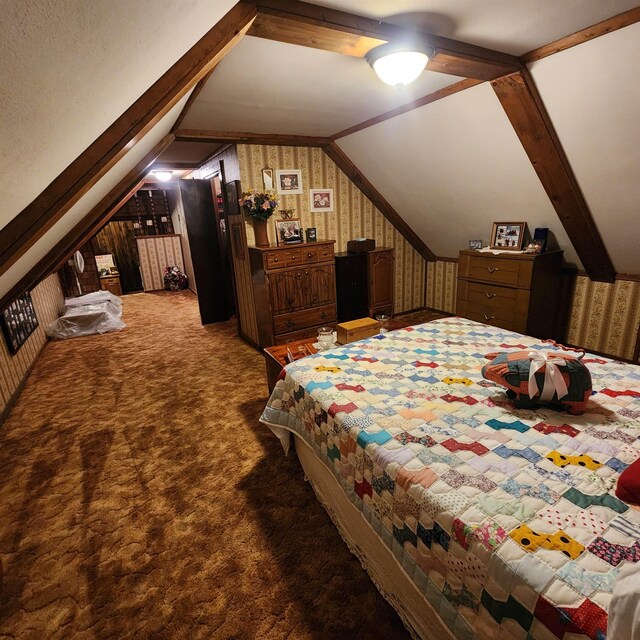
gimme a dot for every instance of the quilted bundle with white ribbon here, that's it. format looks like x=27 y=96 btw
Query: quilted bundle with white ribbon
x=534 y=377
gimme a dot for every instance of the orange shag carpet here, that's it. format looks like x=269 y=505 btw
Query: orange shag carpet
x=140 y=497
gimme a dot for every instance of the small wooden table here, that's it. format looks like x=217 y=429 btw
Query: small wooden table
x=276 y=358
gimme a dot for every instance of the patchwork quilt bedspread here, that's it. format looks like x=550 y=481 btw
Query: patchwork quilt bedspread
x=504 y=518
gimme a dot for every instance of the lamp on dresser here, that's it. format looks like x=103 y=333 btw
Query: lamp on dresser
x=515 y=291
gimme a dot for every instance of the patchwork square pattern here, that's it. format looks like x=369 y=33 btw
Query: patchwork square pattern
x=507 y=516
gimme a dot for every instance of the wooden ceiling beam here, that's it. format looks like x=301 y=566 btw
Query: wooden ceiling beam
x=355 y=175
x=237 y=137
x=409 y=106
x=609 y=25
x=88 y=226
x=174 y=165
x=310 y=25
x=523 y=105
x=48 y=207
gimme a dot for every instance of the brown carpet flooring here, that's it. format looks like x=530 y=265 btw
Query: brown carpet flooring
x=141 y=498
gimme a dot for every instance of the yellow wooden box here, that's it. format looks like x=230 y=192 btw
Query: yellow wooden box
x=357 y=330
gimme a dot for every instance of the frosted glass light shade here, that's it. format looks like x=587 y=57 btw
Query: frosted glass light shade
x=163 y=176
x=400 y=68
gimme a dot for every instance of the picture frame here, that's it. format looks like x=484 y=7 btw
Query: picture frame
x=311 y=234
x=536 y=246
x=288 y=231
x=18 y=322
x=475 y=245
x=232 y=190
x=289 y=182
x=320 y=200
x=267 y=179
x=508 y=236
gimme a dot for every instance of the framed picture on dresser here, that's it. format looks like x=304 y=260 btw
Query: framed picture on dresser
x=508 y=236
x=288 y=231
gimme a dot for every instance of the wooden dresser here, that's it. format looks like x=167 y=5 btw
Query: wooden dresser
x=518 y=292
x=365 y=283
x=381 y=280
x=294 y=290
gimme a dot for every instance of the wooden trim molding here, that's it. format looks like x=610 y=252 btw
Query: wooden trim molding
x=175 y=166
x=88 y=226
x=310 y=25
x=523 y=105
x=237 y=137
x=443 y=259
x=467 y=83
x=48 y=207
x=354 y=174
x=594 y=31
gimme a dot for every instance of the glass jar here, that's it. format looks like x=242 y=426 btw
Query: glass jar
x=383 y=321
x=325 y=337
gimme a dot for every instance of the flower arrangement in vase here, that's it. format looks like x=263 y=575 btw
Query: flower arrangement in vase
x=174 y=279
x=260 y=206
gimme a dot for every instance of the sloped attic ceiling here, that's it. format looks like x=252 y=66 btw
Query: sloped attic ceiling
x=473 y=170
x=101 y=56
x=68 y=70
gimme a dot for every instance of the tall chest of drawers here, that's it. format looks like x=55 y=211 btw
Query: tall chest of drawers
x=294 y=290
x=518 y=292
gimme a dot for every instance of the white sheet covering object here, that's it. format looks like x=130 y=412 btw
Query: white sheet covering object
x=98 y=312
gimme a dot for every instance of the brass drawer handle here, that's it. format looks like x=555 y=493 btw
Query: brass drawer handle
x=323 y=315
x=275 y=259
x=289 y=324
x=487 y=318
x=492 y=269
x=490 y=295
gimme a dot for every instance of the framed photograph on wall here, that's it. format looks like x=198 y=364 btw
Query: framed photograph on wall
x=320 y=200
x=232 y=190
x=18 y=322
x=288 y=231
x=508 y=236
x=289 y=181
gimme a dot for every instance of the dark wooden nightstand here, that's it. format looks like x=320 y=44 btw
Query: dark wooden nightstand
x=275 y=358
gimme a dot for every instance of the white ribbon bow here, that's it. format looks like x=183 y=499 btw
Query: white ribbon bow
x=553 y=380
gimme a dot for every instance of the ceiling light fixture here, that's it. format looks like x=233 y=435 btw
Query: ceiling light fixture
x=399 y=65
x=163 y=176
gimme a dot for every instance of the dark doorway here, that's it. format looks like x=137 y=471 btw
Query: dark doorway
x=206 y=243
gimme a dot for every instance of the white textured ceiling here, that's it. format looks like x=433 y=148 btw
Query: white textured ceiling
x=69 y=69
x=88 y=201
x=452 y=168
x=593 y=97
x=512 y=26
x=270 y=87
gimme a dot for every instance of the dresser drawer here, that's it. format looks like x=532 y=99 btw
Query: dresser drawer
x=493 y=269
x=491 y=304
x=306 y=318
x=274 y=260
x=485 y=318
x=309 y=255
x=325 y=252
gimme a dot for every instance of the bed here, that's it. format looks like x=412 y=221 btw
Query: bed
x=472 y=517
